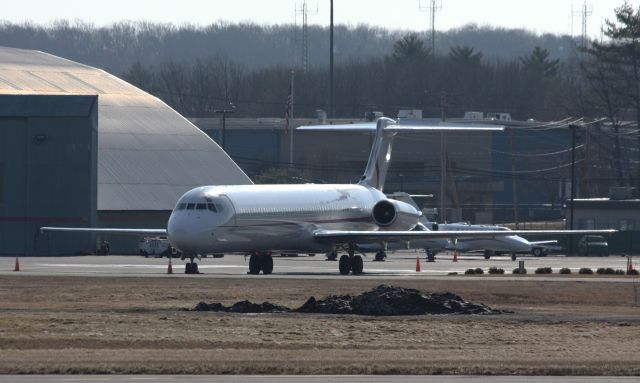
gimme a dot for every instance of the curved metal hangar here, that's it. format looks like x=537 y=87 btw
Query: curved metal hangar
x=81 y=147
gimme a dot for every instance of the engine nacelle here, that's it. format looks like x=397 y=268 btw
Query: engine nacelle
x=395 y=215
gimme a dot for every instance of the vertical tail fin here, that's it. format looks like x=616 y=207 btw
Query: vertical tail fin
x=380 y=155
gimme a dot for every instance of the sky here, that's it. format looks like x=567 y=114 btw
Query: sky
x=540 y=16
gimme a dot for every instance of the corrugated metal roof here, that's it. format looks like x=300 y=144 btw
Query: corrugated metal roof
x=148 y=154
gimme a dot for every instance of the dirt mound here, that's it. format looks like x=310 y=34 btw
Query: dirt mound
x=391 y=300
x=382 y=300
x=245 y=307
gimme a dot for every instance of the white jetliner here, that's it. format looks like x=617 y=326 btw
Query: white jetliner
x=261 y=219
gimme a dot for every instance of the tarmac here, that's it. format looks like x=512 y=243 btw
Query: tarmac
x=399 y=265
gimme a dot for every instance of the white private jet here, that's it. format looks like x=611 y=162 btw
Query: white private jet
x=258 y=220
x=511 y=244
x=490 y=245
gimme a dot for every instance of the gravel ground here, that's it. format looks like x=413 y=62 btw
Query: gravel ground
x=139 y=325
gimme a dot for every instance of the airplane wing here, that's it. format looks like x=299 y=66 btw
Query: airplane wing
x=105 y=230
x=339 y=236
x=543 y=242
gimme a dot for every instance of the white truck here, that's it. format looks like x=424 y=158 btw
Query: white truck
x=155 y=246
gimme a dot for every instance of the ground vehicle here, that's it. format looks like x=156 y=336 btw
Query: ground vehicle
x=157 y=246
x=593 y=245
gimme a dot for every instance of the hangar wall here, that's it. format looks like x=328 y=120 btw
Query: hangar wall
x=48 y=170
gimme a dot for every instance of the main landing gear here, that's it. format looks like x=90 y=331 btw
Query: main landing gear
x=260 y=261
x=380 y=256
x=351 y=263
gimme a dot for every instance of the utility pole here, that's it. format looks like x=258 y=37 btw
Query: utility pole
x=330 y=109
x=573 y=168
x=514 y=184
x=433 y=7
x=291 y=118
x=443 y=159
x=573 y=180
x=231 y=109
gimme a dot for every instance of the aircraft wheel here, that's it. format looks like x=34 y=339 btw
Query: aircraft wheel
x=357 y=265
x=431 y=256
x=188 y=268
x=487 y=254
x=194 y=268
x=254 y=264
x=537 y=251
x=513 y=256
x=267 y=264
x=344 y=265
x=380 y=256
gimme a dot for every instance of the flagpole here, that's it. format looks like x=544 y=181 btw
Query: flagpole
x=291 y=118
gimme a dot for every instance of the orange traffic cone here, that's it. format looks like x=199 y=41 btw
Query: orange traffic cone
x=455 y=256
x=417 y=264
x=170 y=267
x=17 y=268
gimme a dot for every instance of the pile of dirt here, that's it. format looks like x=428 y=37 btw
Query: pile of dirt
x=380 y=301
x=244 y=307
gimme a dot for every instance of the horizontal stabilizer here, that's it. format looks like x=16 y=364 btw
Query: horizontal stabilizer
x=370 y=127
x=105 y=230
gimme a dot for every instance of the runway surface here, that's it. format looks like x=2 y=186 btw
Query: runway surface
x=399 y=265
x=311 y=379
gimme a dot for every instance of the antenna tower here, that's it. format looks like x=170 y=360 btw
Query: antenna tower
x=304 y=11
x=584 y=12
x=432 y=7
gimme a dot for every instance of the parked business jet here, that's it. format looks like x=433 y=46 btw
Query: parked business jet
x=258 y=220
x=509 y=244
x=512 y=244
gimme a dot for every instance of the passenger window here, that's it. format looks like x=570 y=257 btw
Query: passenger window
x=190 y=206
x=201 y=206
x=182 y=206
x=212 y=207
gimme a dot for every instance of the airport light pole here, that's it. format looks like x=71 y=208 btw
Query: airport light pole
x=224 y=111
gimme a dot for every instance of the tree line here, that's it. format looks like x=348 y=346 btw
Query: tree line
x=530 y=86
x=117 y=46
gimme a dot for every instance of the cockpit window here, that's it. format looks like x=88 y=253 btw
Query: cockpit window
x=212 y=207
x=182 y=206
x=190 y=206
x=201 y=206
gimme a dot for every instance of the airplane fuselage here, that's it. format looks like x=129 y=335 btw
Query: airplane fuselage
x=252 y=218
x=510 y=244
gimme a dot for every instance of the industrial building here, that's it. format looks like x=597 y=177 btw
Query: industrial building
x=620 y=211
x=80 y=147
